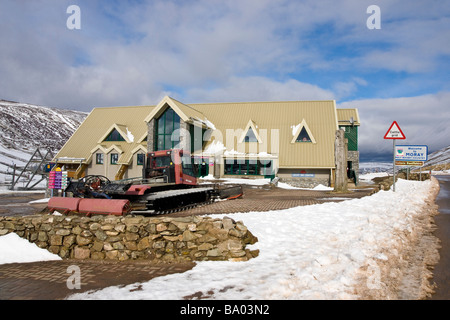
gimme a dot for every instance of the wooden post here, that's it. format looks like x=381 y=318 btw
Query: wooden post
x=340 y=153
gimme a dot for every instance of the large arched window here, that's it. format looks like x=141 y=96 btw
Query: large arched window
x=165 y=126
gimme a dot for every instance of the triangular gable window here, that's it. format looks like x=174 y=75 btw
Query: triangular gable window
x=303 y=136
x=301 y=133
x=250 y=136
x=114 y=136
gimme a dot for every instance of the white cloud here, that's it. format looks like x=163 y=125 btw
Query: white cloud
x=345 y=89
x=259 y=89
x=423 y=119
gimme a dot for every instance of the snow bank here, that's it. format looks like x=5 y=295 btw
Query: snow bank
x=15 y=249
x=322 y=187
x=327 y=251
x=369 y=176
x=284 y=185
x=253 y=182
x=44 y=200
x=440 y=173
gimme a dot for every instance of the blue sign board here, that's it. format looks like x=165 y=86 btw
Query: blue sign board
x=411 y=153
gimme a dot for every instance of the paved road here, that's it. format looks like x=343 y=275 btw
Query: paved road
x=17 y=204
x=442 y=269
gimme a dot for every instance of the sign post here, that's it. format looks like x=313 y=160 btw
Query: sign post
x=394 y=133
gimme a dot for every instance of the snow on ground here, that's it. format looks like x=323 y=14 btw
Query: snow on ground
x=367 y=177
x=440 y=173
x=254 y=182
x=309 y=252
x=44 y=200
x=16 y=249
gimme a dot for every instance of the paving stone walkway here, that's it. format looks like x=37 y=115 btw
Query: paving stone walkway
x=48 y=280
x=262 y=199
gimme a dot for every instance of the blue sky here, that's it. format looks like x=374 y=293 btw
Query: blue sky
x=136 y=52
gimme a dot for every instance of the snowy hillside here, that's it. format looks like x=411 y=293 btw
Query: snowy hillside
x=439 y=157
x=25 y=127
x=374 y=167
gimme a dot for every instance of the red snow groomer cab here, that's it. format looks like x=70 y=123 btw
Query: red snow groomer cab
x=171 y=165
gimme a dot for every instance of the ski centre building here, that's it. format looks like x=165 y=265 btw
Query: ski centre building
x=291 y=140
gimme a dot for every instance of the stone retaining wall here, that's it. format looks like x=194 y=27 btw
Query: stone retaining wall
x=135 y=237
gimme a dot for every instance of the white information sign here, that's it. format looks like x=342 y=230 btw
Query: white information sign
x=411 y=153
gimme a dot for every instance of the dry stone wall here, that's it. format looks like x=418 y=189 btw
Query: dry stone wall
x=165 y=239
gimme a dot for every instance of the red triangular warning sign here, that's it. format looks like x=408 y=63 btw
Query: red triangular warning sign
x=394 y=132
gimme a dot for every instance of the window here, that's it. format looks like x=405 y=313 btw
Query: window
x=250 y=133
x=196 y=134
x=140 y=157
x=99 y=158
x=161 y=162
x=114 y=158
x=248 y=167
x=114 y=136
x=266 y=167
x=202 y=166
x=301 y=133
x=165 y=126
x=232 y=167
x=250 y=136
x=303 y=136
x=188 y=168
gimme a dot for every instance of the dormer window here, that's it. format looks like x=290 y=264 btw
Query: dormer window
x=250 y=133
x=250 y=136
x=116 y=133
x=114 y=136
x=302 y=134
